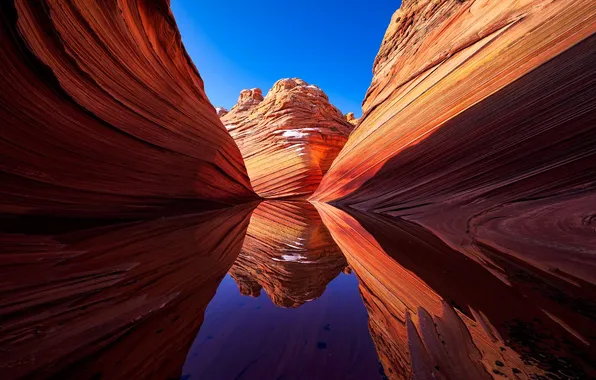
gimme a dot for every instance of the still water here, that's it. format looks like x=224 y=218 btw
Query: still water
x=283 y=290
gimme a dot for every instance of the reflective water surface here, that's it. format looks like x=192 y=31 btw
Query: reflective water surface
x=283 y=290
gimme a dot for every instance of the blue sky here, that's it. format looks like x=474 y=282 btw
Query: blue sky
x=244 y=44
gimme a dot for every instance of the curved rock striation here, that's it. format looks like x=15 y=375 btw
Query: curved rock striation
x=115 y=302
x=287 y=252
x=288 y=138
x=480 y=124
x=104 y=114
x=435 y=313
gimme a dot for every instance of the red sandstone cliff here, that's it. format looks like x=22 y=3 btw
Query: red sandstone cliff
x=288 y=252
x=104 y=114
x=480 y=125
x=288 y=138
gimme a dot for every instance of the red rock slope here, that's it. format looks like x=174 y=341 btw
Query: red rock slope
x=117 y=302
x=104 y=114
x=289 y=138
x=480 y=124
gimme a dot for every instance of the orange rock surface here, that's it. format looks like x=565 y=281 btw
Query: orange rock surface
x=104 y=114
x=434 y=313
x=288 y=139
x=480 y=125
x=288 y=253
x=350 y=118
x=117 y=302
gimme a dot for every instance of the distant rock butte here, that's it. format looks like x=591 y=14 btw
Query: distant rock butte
x=480 y=125
x=350 y=118
x=104 y=114
x=288 y=138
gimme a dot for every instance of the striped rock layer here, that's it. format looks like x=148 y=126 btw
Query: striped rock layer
x=288 y=138
x=118 y=302
x=287 y=252
x=480 y=124
x=104 y=114
x=436 y=314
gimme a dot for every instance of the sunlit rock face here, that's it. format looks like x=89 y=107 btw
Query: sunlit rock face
x=350 y=118
x=289 y=138
x=435 y=313
x=119 y=302
x=480 y=125
x=288 y=253
x=104 y=114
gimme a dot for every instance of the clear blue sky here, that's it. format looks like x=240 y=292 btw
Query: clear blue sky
x=244 y=44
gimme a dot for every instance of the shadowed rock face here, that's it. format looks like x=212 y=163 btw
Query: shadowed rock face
x=435 y=313
x=104 y=114
x=288 y=253
x=480 y=125
x=118 y=302
x=289 y=138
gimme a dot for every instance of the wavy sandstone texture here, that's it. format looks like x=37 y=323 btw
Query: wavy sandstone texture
x=436 y=314
x=118 y=302
x=289 y=253
x=104 y=114
x=480 y=124
x=289 y=138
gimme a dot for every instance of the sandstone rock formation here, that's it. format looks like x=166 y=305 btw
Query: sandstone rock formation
x=221 y=111
x=434 y=313
x=480 y=125
x=288 y=139
x=288 y=253
x=115 y=302
x=351 y=119
x=104 y=114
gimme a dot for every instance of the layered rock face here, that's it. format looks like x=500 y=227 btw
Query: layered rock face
x=480 y=125
x=104 y=114
x=288 y=139
x=115 y=302
x=288 y=253
x=434 y=313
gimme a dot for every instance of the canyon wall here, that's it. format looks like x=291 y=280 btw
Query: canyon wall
x=288 y=138
x=104 y=114
x=480 y=125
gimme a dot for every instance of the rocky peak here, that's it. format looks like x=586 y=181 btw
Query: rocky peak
x=350 y=118
x=296 y=86
x=249 y=98
x=221 y=111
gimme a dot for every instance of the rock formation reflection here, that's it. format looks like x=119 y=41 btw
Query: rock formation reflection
x=435 y=313
x=120 y=302
x=293 y=314
x=288 y=253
